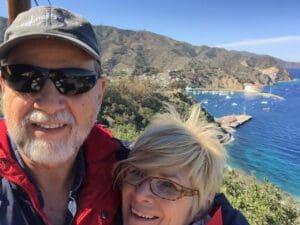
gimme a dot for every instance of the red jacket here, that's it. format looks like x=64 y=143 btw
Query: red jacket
x=216 y=217
x=97 y=202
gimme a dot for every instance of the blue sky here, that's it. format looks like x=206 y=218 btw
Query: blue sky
x=260 y=26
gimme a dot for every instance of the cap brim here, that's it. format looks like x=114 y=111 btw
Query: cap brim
x=5 y=47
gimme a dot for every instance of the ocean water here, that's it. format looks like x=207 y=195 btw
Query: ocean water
x=269 y=144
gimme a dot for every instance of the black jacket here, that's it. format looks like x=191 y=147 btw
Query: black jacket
x=230 y=215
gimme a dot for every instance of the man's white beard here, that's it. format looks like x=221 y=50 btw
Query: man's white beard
x=49 y=152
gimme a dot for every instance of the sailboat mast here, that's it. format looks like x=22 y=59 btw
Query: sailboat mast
x=15 y=7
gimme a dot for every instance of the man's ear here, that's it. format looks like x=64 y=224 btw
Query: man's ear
x=1 y=83
x=101 y=82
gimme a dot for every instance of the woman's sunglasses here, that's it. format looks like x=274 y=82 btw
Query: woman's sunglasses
x=30 y=79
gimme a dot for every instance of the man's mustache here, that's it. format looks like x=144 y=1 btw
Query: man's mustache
x=37 y=116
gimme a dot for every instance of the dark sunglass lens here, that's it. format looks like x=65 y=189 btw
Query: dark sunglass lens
x=165 y=189
x=23 y=78
x=70 y=85
x=73 y=81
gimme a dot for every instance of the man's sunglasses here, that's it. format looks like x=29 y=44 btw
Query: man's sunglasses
x=161 y=187
x=30 y=79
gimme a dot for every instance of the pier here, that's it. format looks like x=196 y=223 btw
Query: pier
x=233 y=121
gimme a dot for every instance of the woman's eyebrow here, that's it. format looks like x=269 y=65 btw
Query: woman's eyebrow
x=169 y=175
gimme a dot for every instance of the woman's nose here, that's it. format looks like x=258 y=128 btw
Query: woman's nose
x=143 y=192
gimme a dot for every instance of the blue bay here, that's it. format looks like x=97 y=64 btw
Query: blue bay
x=269 y=144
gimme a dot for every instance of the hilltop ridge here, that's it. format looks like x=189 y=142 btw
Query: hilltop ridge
x=177 y=64
x=181 y=64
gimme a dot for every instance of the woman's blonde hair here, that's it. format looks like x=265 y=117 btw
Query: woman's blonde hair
x=190 y=144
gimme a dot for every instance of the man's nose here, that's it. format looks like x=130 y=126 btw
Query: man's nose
x=49 y=100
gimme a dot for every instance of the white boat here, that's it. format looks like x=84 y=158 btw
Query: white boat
x=264 y=102
x=188 y=89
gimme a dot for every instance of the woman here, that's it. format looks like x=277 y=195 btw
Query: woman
x=172 y=174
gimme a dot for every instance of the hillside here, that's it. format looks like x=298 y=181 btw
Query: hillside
x=145 y=53
x=285 y=64
x=178 y=64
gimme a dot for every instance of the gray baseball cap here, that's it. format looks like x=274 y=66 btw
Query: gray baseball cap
x=51 y=22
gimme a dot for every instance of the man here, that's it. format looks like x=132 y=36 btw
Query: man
x=55 y=162
x=52 y=92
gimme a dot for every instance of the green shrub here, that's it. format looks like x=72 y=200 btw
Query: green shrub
x=129 y=100
x=261 y=202
x=125 y=132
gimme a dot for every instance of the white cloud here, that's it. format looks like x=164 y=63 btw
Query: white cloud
x=284 y=47
x=255 y=42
